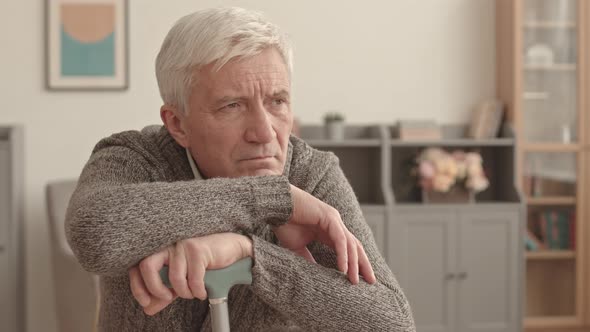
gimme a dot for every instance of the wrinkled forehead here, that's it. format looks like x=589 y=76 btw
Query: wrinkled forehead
x=264 y=71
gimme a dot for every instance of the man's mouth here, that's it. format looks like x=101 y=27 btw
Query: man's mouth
x=259 y=158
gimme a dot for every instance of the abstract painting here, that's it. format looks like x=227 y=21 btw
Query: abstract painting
x=87 y=44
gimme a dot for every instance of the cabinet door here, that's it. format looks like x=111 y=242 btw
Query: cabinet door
x=422 y=250
x=488 y=284
x=375 y=218
x=5 y=188
x=8 y=314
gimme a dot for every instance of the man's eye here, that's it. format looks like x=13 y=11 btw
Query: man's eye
x=279 y=101
x=230 y=107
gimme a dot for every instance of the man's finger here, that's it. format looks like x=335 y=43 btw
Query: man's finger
x=178 y=272
x=138 y=288
x=353 y=267
x=157 y=305
x=338 y=237
x=196 y=275
x=150 y=271
x=365 y=267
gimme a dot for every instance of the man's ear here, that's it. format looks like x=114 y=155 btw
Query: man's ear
x=174 y=121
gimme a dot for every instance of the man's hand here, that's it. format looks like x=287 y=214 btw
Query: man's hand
x=187 y=260
x=312 y=220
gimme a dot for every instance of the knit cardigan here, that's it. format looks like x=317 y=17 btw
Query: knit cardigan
x=137 y=194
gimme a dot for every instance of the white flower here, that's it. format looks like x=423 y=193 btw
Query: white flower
x=477 y=184
x=442 y=183
x=446 y=165
x=474 y=170
x=473 y=158
x=461 y=170
x=431 y=154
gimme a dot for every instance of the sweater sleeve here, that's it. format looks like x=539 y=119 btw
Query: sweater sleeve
x=318 y=296
x=122 y=212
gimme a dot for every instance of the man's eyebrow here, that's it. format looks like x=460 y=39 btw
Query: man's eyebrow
x=281 y=93
x=225 y=99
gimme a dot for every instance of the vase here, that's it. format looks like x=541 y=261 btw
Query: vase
x=334 y=130
x=456 y=195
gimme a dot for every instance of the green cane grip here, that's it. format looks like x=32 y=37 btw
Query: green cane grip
x=219 y=282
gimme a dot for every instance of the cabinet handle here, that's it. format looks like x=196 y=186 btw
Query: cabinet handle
x=450 y=276
x=462 y=275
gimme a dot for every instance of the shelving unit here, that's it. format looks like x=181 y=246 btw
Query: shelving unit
x=544 y=201
x=550 y=25
x=548 y=107
x=550 y=147
x=535 y=95
x=436 y=250
x=554 y=67
x=551 y=254
x=12 y=277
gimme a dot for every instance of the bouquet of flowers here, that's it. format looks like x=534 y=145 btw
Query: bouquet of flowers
x=439 y=170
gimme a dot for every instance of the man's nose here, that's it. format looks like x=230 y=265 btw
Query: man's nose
x=259 y=124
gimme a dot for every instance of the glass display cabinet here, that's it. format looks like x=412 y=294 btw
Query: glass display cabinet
x=542 y=51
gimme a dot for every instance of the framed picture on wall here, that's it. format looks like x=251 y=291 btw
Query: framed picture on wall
x=87 y=44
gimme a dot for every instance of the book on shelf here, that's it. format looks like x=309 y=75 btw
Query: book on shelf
x=486 y=119
x=557 y=229
x=573 y=230
x=418 y=130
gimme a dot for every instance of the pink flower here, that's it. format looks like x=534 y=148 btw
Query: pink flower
x=426 y=169
x=459 y=155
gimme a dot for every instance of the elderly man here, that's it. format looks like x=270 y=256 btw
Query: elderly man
x=220 y=181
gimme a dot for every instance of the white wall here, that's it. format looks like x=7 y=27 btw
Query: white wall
x=377 y=61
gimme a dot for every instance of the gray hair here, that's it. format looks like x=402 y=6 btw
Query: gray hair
x=212 y=35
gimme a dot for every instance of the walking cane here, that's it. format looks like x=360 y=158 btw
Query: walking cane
x=218 y=283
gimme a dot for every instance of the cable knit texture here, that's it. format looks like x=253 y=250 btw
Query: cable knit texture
x=137 y=194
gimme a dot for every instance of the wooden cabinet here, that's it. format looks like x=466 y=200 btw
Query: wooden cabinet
x=459 y=266
x=543 y=48
x=12 y=277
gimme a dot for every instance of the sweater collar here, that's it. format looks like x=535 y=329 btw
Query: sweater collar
x=194 y=168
